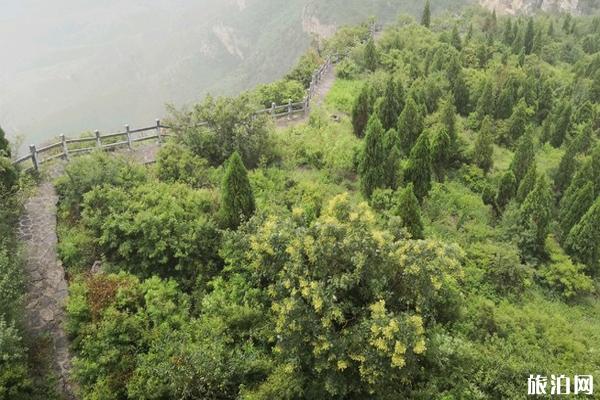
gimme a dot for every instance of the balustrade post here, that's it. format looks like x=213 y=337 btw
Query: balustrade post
x=65 y=148
x=158 y=131
x=34 y=156
x=289 y=116
x=127 y=131
x=98 y=142
x=273 y=109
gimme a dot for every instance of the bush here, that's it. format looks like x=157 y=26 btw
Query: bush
x=304 y=69
x=279 y=92
x=155 y=229
x=232 y=126
x=176 y=163
x=98 y=169
x=347 y=69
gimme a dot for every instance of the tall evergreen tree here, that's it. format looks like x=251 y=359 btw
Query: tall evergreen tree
x=426 y=17
x=551 y=29
x=409 y=211
x=562 y=126
x=584 y=175
x=566 y=169
x=410 y=125
x=440 y=157
x=455 y=39
x=583 y=241
x=571 y=212
x=372 y=173
x=418 y=170
x=237 y=198
x=517 y=122
x=529 y=37
x=538 y=42
x=506 y=189
x=362 y=110
x=524 y=157
x=486 y=103
x=484 y=149
x=507 y=37
x=391 y=106
x=534 y=220
x=392 y=164
x=527 y=183
x=4 y=145
x=371 y=55
x=448 y=119
x=458 y=85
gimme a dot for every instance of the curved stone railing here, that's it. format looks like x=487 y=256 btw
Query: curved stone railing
x=66 y=148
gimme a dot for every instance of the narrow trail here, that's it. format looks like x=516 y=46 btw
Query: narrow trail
x=47 y=288
x=46 y=284
x=321 y=91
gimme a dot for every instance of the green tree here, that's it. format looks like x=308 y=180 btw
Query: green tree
x=4 y=144
x=393 y=160
x=506 y=189
x=362 y=110
x=418 y=170
x=409 y=211
x=448 y=119
x=517 y=123
x=237 y=198
x=527 y=183
x=572 y=211
x=455 y=39
x=391 y=106
x=524 y=157
x=484 y=150
x=583 y=241
x=410 y=125
x=440 y=155
x=177 y=163
x=507 y=37
x=528 y=40
x=566 y=169
x=534 y=220
x=372 y=174
x=426 y=17
x=486 y=103
x=371 y=55
x=458 y=85
x=563 y=124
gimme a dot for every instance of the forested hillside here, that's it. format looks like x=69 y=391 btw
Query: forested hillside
x=430 y=232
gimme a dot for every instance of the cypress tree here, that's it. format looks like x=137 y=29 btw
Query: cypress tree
x=237 y=199
x=595 y=166
x=409 y=211
x=517 y=122
x=391 y=107
x=455 y=39
x=527 y=183
x=584 y=174
x=418 y=170
x=551 y=29
x=571 y=212
x=484 y=149
x=507 y=37
x=562 y=125
x=392 y=164
x=566 y=169
x=583 y=241
x=448 y=118
x=485 y=104
x=458 y=85
x=534 y=219
x=372 y=174
x=426 y=17
x=439 y=153
x=506 y=189
x=371 y=55
x=410 y=125
x=4 y=145
x=524 y=157
x=529 y=37
x=538 y=42
x=361 y=111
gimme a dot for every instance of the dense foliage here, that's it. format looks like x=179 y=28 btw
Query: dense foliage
x=438 y=239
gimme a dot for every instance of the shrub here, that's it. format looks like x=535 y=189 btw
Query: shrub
x=176 y=163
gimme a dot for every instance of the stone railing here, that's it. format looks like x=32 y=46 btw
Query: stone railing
x=66 y=148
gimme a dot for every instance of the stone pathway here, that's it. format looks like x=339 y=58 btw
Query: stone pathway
x=46 y=284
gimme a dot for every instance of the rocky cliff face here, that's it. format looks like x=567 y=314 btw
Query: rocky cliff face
x=513 y=7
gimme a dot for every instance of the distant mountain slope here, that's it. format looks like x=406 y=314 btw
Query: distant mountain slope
x=531 y=6
x=70 y=65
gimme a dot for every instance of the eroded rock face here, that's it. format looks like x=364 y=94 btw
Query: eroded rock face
x=513 y=7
